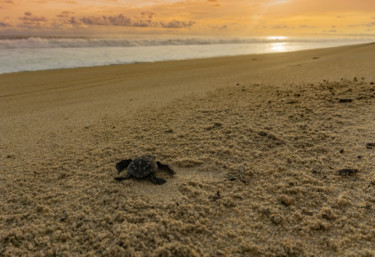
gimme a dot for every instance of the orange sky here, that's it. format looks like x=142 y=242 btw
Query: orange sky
x=189 y=17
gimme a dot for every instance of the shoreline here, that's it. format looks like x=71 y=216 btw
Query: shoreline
x=192 y=59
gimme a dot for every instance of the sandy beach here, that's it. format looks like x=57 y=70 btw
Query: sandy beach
x=257 y=143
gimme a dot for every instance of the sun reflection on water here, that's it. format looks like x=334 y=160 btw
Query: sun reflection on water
x=279 y=47
x=278 y=44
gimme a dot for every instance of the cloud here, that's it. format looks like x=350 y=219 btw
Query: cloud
x=29 y=20
x=3 y=24
x=304 y=26
x=370 y=24
x=222 y=27
x=148 y=14
x=281 y=26
x=73 y=21
x=214 y=3
x=119 y=20
x=203 y=17
x=65 y=14
x=175 y=24
x=146 y=20
x=7 y=4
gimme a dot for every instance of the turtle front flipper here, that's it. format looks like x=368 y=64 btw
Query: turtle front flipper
x=123 y=165
x=165 y=167
x=156 y=180
x=127 y=176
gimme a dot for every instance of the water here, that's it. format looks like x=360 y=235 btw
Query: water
x=38 y=53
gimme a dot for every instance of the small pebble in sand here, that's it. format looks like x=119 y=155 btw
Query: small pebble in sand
x=342 y=151
x=241 y=176
x=345 y=100
x=214 y=126
x=345 y=172
x=216 y=196
x=286 y=200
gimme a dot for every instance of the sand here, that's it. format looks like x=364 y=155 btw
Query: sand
x=256 y=141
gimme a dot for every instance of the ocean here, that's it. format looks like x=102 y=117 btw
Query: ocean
x=43 y=53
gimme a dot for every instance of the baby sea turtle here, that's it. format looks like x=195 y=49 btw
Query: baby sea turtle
x=142 y=167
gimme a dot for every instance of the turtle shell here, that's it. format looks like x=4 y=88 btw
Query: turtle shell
x=142 y=166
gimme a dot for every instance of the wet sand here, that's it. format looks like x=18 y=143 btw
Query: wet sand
x=256 y=141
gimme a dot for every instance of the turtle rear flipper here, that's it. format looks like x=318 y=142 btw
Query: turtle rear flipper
x=165 y=167
x=127 y=176
x=156 y=180
x=123 y=165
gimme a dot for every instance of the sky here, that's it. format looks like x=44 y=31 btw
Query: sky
x=247 y=18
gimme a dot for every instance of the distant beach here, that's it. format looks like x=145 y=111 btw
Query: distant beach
x=258 y=143
x=44 y=53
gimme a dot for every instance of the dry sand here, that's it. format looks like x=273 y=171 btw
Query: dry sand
x=277 y=118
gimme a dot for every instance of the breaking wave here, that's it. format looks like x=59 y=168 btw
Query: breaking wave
x=41 y=42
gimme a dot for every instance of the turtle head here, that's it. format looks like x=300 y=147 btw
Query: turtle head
x=149 y=157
